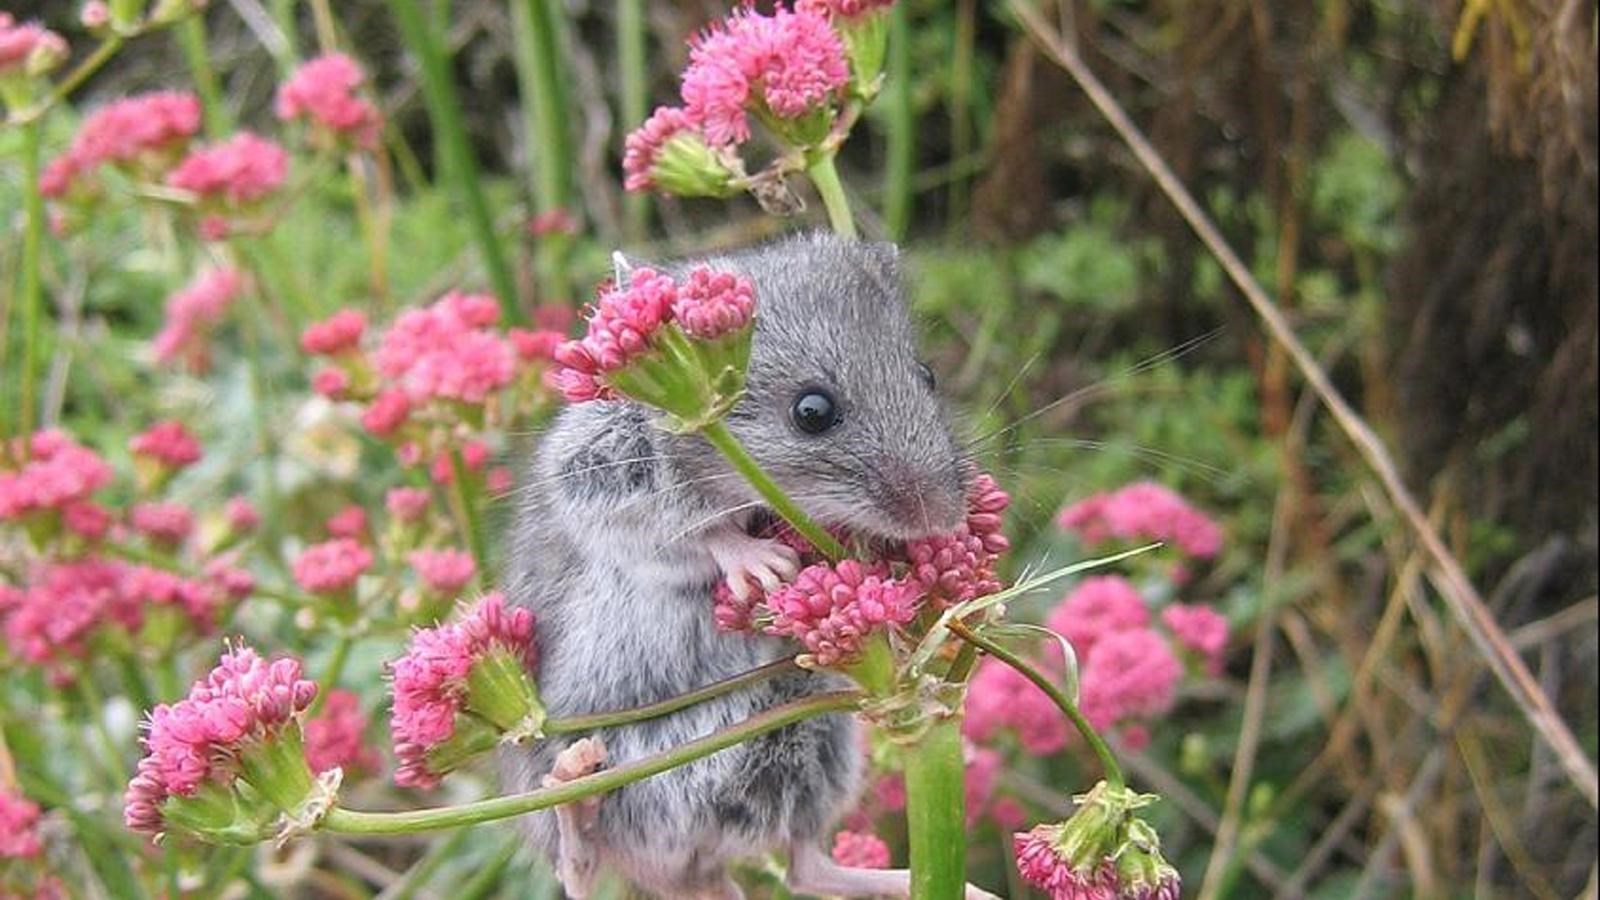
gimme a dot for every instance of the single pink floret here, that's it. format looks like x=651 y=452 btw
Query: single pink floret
x=339 y=332
x=331 y=566
x=19 y=817
x=712 y=304
x=168 y=443
x=324 y=91
x=444 y=571
x=241 y=170
x=1098 y=606
x=860 y=850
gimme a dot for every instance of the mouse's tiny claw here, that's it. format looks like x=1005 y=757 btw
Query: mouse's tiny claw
x=744 y=559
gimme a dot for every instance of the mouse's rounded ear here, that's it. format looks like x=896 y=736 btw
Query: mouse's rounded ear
x=881 y=261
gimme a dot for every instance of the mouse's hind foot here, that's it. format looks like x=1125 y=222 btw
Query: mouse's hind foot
x=578 y=860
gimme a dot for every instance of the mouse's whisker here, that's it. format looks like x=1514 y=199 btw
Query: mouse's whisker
x=532 y=486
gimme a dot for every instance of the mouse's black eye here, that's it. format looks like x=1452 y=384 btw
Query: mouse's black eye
x=815 y=412
x=926 y=374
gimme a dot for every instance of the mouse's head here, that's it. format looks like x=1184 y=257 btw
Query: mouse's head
x=837 y=406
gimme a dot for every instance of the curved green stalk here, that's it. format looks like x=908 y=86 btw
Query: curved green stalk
x=191 y=33
x=631 y=30
x=572 y=724
x=32 y=291
x=900 y=132
x=1108 y=760
x=546 y=122
x=936 y=813
x=721 y=438
x=461 y=167
x=826 y=177
x=347 y=821
x=466 y=511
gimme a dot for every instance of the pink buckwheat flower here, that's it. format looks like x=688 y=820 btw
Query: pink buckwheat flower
x=388 y=411
x=58 y=473
x=1200 y=629
x=168 y=443
x=28 y=49
x=860 y=850
x=712 y=304
x=1042 y=866
x=443 y=571
x=193 y=313
x=331 y=567
x=479 y=664
x=336 y=737
x=447 y=351
x=339 y=332
x=1103 y=851
x=323 y=91
x=1097 y=607
x=241 y=515
x=960 y=566
x=790 y=64
x=1000 y=697
x=145 y=132
x=622 y=323
x=1128 y=674
x=843 y=9
x=1143 y=511
x=408 y=504
x=57 y=613
x=241 y=170
x=19 y=817
x=832 y=609
x=670 y=152
x=536 y=346
x=350 y=522
x=163 y=522
x=198 y=601
x=226 y=728
x=331 y=382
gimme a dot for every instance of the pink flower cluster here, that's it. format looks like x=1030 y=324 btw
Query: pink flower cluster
x=19 y=816
x=1200 y=630
x=1098 y=606
x=331 y=567
x=55 y=474
x=832 y=609
x=334 y=335
x=789 y=65
x=28 y=47
x=239 y=170
x=430 y=681
x=447 y=351
x=843 y=9
x=336 y=737
x=443 y=571
x=860 y=850
x=960 y=566
x=999 y=697
x=164 y=522
x=143 y=134
x=1143 y=511
x=708 y=305
x=199 y=738
x=168 y=443
x=193 y=313
x=323 y=91
x=1041 y=865
x=645 y=144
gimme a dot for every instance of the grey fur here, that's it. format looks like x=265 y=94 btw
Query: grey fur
x=609 y=551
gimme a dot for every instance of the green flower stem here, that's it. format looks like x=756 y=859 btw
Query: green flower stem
x=631 y=31
x=330 y=675
x=546 y=120
x=466 y=511
x=721 y=438
x=826 y=177
x=91 y=64
x=573 y=724
x=191 y=33
x=461 y=168
x=936 y=813
x=1108 y=761
x=346 y=821
x=900 y=128
x=32 y=293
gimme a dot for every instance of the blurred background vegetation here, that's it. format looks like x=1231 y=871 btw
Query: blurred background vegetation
x=1413 y=180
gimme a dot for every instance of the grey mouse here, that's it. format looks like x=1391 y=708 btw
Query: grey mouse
x=623 y=529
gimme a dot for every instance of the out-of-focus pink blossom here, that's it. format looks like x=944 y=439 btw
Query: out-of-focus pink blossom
x=1200 y=629
x=19 y=816
x=999 y=697
x=168 y=443
x=53 y=617
x=408 y=504
x=331 y=382
x=982 y=776
x=193 y=313
x=536 y=346
x=336 y=737
x=789 y=64
x=240 y=170
x=430 y=681
x=199 y=601
x=199 y=739
x=1143 y=511
x=349 y=522
x=94 y=15
x=551 y=222
x=843 y=9
x=339 y=332
x=833 y=609
x=145 y=133
x=241 y=514
x=323 y=91
x=232 y=581
x=86 y=519
x=162 y=521
x=447 y=351
x=28 y=48
x=58 y=472
x=860 y=850
x=711 y=304
x=444 y=571
x=1098 y=606
x=1128 y=674
x=387 y=412
x=331 y=566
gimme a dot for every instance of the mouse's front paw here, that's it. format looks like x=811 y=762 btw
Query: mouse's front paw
x=747 y=562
